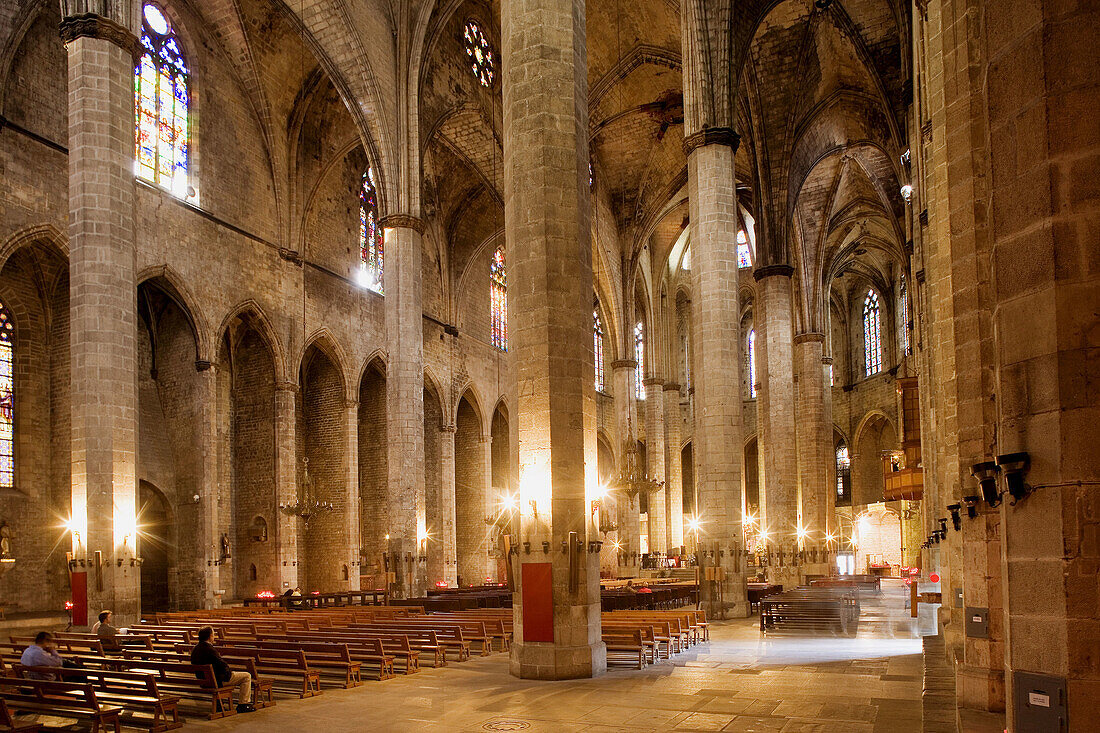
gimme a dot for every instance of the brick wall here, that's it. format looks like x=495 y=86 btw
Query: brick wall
x=372 y=467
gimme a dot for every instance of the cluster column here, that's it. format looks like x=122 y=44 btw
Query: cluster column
x=778 y=458
x=546 y=208
x=674 y=478
x=101 y=43
x=406 y=503
x=207 y=506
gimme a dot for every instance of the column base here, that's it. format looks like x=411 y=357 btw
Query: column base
x=551 y=662
x=980 y=688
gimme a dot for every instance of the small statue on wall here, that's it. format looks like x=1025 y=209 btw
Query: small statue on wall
x=226 y=554
x=6 y=536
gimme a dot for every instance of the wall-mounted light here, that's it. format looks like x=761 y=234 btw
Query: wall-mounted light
x=943 y=526
x=907 y=192
x=956 y=519
x=971 y=503
x=1014 y=466
x=986 y=473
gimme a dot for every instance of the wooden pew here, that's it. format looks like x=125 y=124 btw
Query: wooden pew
x=262 y=687
x=325 y=657
x=809 y=609
x=625 y=645
x=60 y=699
x=8 y=723
x=181 y=678
x=131 y=691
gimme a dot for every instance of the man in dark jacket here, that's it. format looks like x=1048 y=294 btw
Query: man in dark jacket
x=205 y=653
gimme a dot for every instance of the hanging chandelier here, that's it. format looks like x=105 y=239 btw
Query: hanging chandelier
x=632 y=478
x=306 y=505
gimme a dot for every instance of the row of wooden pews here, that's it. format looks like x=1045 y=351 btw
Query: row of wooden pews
x=810 y=609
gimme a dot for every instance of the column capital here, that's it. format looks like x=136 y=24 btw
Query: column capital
x=772 y=271
x=282 y=386
x=452 y=428
x=202 y=365
x=403 y=221
x=351 y=404
x=712 y=136
x=92 y=25
x=624 y=364
x=671 y=387
x=653 y=382
x=827 y=360
x=803 y=338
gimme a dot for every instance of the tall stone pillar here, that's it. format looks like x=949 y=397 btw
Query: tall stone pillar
x=775 y=363
x=655 y=457
x=546 y=201
x=832 y=526
x=100 y=40
x=447 y=505
x=626 y=509
x=287 y=470
x=207 y=577
x=352 y=504
x=406 y=503
x=486 y=559
x=813 y=467
x=674 y=477
x=710 y=143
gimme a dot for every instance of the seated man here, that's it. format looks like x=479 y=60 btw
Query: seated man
x=105 y=631
x=205 y=653
x=42 y=653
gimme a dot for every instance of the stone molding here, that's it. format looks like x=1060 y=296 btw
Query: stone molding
x=653 y=382
x=624 y=364
x=351 y=404
x=90 y=25
x=809 y=337
x=403 y=221
x=286 y=387
x=712 y=136
x=772 y=271
x=448 y=428
x=671 y=387
x=201 y=365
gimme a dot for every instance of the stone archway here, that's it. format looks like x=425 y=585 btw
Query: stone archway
x=156 y=545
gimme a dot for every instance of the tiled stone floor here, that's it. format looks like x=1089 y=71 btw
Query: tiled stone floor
x=736 y=682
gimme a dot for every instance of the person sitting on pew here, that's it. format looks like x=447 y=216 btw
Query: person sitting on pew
x=205 y=653
x=43 y=653
x=106 y=632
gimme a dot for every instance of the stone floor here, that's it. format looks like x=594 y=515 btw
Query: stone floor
x=736 y=682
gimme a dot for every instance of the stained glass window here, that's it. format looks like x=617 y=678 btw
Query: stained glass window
x=597 y=346
x=752 y=364
x=161 y=99
x=744 y=256
x=843 y=474
x=480 y=53
x=903 y=317
x=7 y=399
x=639 y=361
x=498 y=299
x=872 y=334
x=371 y=259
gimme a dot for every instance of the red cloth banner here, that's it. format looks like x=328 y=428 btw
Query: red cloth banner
x=79 y=582
x=538 y=602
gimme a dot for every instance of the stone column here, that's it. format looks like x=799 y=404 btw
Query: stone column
x=208 y=577
x=352 y=504
x=546 y=202
x=447 y=504
x=674 y=477
x=287 y=470
x=813 y=486
x=406 y=503
x=626 y=510
x=655 y=457
x=832 y=526
x=486 y=561
x=100 y=41
x=775 y=363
